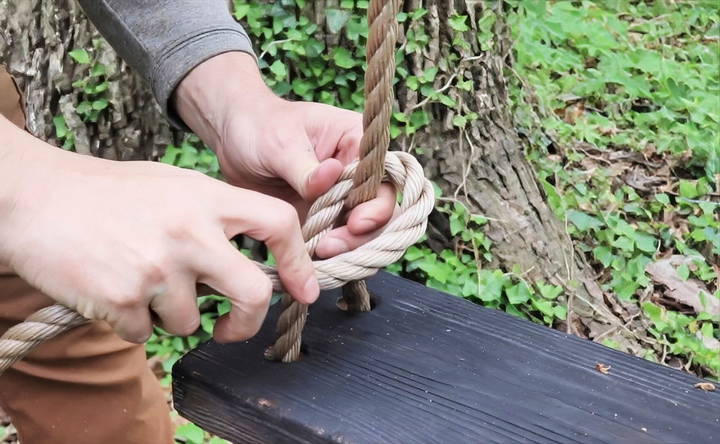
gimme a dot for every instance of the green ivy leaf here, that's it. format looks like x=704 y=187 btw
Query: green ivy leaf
x=604 y=255
x=448 y=101
x=457 y=224
x=413 y=83
x=624 y=243
x=460 y=121
x=419 y=118
x=655 y=313
x=100 y=104
x=625 y=288
x=457 y=22
x=645 y=242
x=190 y=433
x=683 y=271
x=336 y=19
x=61 y=129
x=545 y=307
x=688 y=189
x=663 y=198
x=80 y=55
x=491 y=285
x=278 y=68
x=583 y=221
x=343 y=58
x=549 y=291
x=413 y=253
x=518 y=294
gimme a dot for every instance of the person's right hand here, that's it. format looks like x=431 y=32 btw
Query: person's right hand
x=118 y=241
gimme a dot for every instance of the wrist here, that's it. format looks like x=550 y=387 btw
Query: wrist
x=21 y=160
x=208 y=97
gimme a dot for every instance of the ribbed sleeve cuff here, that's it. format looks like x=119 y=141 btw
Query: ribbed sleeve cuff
x=177 y=61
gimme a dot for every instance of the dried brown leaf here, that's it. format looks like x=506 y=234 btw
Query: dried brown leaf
x=686 y=292
x=602 y=368
x=707 y=386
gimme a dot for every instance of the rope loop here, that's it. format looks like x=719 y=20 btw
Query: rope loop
x=405 y=173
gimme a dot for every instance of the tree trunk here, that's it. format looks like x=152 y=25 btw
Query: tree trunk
x=482 y=164
x=35 y=39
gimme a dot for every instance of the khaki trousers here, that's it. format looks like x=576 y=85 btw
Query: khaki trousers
x=86 y=386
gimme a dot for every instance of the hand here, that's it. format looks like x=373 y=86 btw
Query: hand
x=295 y=151
x=119 y=241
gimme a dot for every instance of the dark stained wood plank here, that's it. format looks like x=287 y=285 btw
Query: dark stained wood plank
x=427 y=367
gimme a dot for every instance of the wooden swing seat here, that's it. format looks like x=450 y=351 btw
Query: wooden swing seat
x=427 y=367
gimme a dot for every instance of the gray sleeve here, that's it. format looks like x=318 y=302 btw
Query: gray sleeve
x=164 y=39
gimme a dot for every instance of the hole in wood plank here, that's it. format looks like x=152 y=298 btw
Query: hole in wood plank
x=304 y=351
x=342 y=305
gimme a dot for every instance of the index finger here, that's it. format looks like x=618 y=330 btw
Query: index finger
x=276 y=223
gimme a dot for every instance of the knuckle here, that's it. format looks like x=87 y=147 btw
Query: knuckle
x=181 y=231
x=155 y=268
x=284 y=219
x=190 y=326
x=353 y=139
x=127 y=300
x=138 y=336
x=260 y=293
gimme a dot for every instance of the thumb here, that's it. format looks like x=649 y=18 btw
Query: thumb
x=309 y=177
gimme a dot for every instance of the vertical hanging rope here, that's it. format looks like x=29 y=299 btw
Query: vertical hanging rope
x=379 y=99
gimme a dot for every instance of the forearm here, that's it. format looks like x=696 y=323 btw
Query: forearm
x=165 y=39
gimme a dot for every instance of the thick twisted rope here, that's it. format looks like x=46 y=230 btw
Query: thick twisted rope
x=40 y=326
x=379 y=99
x=402 y=170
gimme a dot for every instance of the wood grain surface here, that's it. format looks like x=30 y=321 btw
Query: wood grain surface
x=427 y=367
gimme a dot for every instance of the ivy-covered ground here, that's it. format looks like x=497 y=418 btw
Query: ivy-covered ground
x=619 y=102
x=628 y=94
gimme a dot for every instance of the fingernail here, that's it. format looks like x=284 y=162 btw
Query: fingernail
x=365 y=225
x=333 y=246
x=312 y=289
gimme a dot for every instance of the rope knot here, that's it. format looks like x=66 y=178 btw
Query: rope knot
x=405 y=173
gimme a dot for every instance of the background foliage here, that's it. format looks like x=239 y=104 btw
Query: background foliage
x=619 y=104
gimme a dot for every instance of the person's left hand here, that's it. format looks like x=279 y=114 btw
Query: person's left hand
x=295 y=151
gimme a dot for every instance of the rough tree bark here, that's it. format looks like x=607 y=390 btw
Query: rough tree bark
x=35 y=38
x=483 y=165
